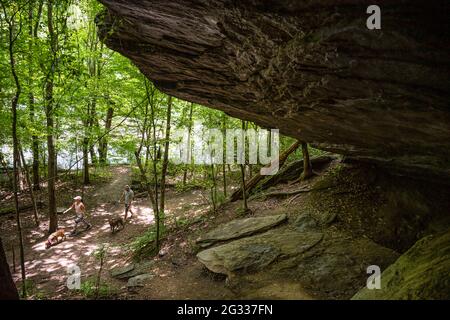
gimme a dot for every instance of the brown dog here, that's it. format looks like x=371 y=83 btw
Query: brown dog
x=115 y=222
x=56 y=237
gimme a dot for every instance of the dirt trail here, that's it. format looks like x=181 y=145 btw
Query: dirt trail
x=47 y=269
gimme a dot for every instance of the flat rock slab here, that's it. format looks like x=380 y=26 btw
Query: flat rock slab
x=131 y=270
x=256 y=252
x=121 y=271
x=138 y=281
x=240 y=228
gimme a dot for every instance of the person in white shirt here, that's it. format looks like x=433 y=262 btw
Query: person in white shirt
x=80 y=211
x=128 y=196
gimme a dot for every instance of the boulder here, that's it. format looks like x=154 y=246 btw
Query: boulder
x=256 y=252
x=423 y=272
x=240 y=228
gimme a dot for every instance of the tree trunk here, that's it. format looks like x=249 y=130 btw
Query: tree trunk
x=153 y=194
x=34 y=138
x=236 y=195
x=30 y=187
x=213 y=188
x=53 y=225
x=242 y=166
x=224 y=176
x=189 y=144
x=166 y=155
x=153 y=201
x=103 y=143
x=307 y=167
x=243 y=187
x=8 y=290
x=14 y=103
x=86 y=179
x=93 y=157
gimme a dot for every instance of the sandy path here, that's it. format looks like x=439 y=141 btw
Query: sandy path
x=48 y=269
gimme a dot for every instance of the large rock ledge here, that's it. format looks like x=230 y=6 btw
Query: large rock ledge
x=310 y=68
x=420 y=273
x=257 y=252
x=240 y=228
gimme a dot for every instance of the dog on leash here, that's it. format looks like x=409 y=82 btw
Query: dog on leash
x=56 y=237
x=115 y=222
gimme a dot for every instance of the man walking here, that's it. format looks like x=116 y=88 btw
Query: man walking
x=128 y=196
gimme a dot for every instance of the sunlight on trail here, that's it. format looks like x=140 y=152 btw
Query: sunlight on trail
x=142 y=215
x=48 y=268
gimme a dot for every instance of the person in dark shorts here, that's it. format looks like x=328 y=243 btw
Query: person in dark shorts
x=128 y=197
x=80 y=212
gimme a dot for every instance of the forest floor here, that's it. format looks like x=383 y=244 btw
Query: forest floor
x=177 y=272
x=47 y=269
x=351 y=193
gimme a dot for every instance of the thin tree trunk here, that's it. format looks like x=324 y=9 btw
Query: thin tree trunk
x=166 y=155
x=13 y=250
x=244 y=191
x=86 y=179
x=213 y=188
x=153 y=195
x=153 y=201
x=77 y=162
x=242 y=166
x=30 y=187
x=53 y=225
x=224 y=175
x=99 y=274
x=307 y=167
x=185 y=170
x=103 y=143
x=14 y=103
x=34 y=138
x=85 y=147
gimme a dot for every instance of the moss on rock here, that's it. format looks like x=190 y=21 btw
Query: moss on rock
x=421 y=273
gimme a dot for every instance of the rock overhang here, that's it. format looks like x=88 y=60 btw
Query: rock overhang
x=309 y=68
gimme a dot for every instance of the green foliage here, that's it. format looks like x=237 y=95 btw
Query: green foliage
x=89 y=290
x=144 y=245
x=30 y=288
x=101 y=252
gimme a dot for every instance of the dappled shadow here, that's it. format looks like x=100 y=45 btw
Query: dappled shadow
x=48 y=269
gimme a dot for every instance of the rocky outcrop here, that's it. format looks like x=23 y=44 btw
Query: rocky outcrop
x=257 y=252
x=240 y=228
x=310 y=68
x=420 y=273
x=335 y=268
x=325 y=263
